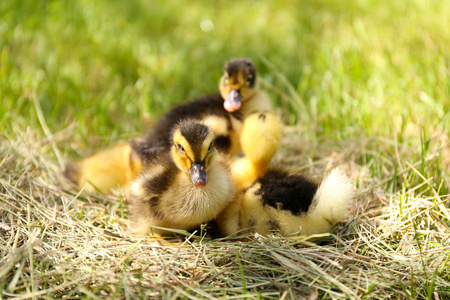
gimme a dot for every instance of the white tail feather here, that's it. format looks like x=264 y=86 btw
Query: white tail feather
x=334 y=196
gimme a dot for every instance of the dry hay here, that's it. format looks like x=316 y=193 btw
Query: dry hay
x=59 y=244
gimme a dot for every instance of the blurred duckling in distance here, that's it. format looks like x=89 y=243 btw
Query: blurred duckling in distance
x=223 y=112
x=184 y=187
x=278 y=201
x=239 y=87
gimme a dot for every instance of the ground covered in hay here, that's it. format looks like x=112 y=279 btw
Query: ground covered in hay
x=56 y=243
x=360 y=84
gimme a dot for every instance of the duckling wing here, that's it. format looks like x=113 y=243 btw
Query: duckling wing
x=147 y=192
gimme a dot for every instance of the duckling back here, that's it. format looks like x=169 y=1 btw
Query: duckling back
x=292 y=204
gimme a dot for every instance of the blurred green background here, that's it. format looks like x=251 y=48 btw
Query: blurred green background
x=339 y=69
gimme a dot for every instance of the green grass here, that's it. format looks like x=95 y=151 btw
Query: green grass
x=363 y=84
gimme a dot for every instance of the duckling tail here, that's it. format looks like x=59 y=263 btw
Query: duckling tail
x=334 y=196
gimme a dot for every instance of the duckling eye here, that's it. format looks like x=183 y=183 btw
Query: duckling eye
x=210 y=147
x=181 y=148
x=249 y=78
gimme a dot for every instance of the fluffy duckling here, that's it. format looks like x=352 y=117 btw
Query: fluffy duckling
x=275 y=200
x=293 y=204
x=223 y=112
x=184 y=187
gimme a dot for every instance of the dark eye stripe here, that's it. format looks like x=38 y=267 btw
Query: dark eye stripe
x=251 y=79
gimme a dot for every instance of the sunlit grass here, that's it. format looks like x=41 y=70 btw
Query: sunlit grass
x=115 y=63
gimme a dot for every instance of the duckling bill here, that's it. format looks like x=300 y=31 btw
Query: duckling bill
x=184 y=187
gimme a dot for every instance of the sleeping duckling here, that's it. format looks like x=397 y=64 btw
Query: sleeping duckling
x=291 y=203
x=223 y=112
x=184 y=187
x=278 y=201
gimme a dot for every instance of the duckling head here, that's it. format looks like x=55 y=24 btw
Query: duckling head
x=192 y=150
x=238 y=83
x=260 y=139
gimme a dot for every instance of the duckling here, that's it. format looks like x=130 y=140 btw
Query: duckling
x=223 y=112
x=184 y=187
x=270 y=199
